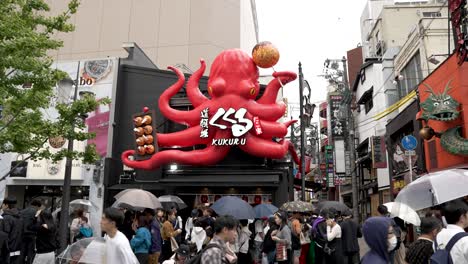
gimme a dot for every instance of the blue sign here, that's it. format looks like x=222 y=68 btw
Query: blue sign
x=409 y=142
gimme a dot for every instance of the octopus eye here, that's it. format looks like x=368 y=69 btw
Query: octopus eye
x=210 y=90
x=252 y=91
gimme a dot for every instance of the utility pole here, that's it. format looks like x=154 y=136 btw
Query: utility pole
x=301 y=118
x=64 y=213
x=351 y=147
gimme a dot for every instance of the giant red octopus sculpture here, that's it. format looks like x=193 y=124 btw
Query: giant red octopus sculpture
x=233 y=83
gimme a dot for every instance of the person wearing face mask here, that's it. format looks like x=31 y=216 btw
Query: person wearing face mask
x=421 y=250
x=456 y=214
x=379 y=236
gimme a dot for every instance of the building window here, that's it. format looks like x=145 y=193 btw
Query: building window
x=367 y=99
x=412 y=75
x=432 y=14
x=368 y=105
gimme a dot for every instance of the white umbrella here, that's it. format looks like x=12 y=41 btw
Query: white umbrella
x=136 y=199
x=82 y=203
x=433 y=189
x=404 y=212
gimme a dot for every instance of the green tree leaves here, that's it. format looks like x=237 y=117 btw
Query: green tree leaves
x=27 y=83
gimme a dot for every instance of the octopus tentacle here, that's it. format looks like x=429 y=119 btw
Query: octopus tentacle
x=272 y=129
x=185 y=138
x=207 y=156
x=260 y=147
x=268 y=112
x=191 y=117
x=193 y=91
x=271 y=91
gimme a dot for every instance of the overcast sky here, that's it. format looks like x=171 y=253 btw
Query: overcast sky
x=309 y=31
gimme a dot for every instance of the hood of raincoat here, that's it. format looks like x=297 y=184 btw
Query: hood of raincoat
x=375 y=231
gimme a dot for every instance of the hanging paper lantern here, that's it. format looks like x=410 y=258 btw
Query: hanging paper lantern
x=265 y=54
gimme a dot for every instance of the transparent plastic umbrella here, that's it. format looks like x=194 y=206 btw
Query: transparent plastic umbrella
x=404 y=212
x=136 y=199
x=433 y=189
x=84 y=204
x=169 y=201
x=84 y=251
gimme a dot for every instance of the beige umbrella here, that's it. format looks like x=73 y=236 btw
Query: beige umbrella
x=136 y=199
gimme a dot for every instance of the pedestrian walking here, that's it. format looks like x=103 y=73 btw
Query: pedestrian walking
x=154 y=221
x=178 y=224
x=244 y=236
x=118 y=250
x=217 y=251
x=4 y=251
x=141 y=242
x=269 y=246
x=350 y=232
x=76 y=224
x=46 y=242
x=28 y=246
x=319 y=235
x=380 y=237
x=456 y=215
x=282 y=237
x=296 y=230
x=189 y=224
x=168 y=235
x=333 y=249
x=383 y=211
x=12 y=225
x=198 y=235
x=421 y=250
x=259 y=226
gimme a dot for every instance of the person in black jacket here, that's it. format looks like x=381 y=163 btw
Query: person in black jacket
x=269 y=246
x=28 y=216
x=12 y=225
x=46 y=242
x=350 y=231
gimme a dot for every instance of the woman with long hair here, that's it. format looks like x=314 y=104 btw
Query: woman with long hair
x=282 y=237
x=168 y=235
x=46 y=243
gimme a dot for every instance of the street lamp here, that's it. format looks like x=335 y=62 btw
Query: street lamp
x=67 y=85
x=305 y=119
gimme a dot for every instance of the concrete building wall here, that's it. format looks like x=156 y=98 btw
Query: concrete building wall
x=396 y=23
x=169 y=32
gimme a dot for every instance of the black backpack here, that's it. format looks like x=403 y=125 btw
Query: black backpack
x=197 y=258
x=442 y=256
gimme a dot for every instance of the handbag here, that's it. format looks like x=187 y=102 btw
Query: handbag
x=281 y=252
x=174 y=245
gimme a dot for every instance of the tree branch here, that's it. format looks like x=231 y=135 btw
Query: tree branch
x=9 y=122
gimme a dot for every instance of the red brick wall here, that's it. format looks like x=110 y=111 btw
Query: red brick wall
x=355 y=61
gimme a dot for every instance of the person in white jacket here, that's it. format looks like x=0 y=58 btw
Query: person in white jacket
x=198 y=236
x=189 y=224
x=244 y=237
x=456 y=214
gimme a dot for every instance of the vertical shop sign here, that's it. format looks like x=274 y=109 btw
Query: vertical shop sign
x=336 y=116
x=379 y=156
x=330 y=171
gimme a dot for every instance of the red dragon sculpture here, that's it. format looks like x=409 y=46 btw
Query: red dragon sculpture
x=232 y=86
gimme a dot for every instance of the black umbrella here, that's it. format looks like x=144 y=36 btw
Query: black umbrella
x=338 y=206
x=234 y=206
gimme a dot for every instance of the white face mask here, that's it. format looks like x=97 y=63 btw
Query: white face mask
x=392 y=242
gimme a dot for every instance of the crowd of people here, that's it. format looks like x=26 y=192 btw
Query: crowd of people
x=160 y=236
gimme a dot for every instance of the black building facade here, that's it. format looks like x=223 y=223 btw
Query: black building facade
x=237 y=174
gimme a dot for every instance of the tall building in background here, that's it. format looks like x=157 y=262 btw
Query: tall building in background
x=169 y=32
